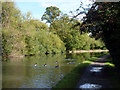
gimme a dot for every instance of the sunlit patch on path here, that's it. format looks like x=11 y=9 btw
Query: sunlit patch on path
x=90 y=86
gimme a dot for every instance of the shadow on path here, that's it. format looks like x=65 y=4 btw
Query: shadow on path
x=95 y=77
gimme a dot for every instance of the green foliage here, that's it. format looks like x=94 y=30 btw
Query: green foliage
x=38 y=25
x=43 y=42
x=103 y=21
x=22 y=35
x=10 y=14
x=72 y=78
x=72 y=37
x=51 y=14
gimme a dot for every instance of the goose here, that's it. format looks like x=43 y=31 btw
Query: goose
x=57 y=66
x=35 y=64
x=45 y=64
x=56 y=62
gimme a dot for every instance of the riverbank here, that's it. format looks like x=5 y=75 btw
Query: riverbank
x=101 y=74
x=83 y=51
x=18 y=55
x=72 y=78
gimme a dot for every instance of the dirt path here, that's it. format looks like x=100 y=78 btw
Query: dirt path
x=95 y=76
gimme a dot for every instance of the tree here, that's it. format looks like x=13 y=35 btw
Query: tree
x=38 y=25
x=71 y=37
x=103 y=21
x=10 y=14
x=51 y=14
x=22 y=35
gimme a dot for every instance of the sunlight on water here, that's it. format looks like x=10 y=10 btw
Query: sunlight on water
x=49 y=69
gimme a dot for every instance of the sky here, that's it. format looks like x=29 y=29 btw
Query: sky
x=37 y=7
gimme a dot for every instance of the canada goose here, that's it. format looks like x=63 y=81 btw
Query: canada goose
x=56 y=62
x=57 y=66
x=45 y=64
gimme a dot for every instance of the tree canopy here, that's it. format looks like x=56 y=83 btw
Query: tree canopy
x=22 y=35
x=72 y=37
x=51 y=14
x=103 y=21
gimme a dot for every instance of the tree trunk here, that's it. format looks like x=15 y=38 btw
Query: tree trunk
x=112 y=41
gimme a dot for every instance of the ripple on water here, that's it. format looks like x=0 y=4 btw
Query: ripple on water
x=90 y=86
x=69 y=59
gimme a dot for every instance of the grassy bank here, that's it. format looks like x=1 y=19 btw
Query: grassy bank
x=72 y=78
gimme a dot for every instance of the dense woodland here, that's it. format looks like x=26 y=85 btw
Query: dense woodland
x=22 y=35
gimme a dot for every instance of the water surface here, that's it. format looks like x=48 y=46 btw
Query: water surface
x=21 y=72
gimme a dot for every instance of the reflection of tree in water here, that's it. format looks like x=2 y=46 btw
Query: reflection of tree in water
x=86 y=55
x=97 y=54
x=77 y=57
x=12 y=73
x=80 y=57
x=47 y=76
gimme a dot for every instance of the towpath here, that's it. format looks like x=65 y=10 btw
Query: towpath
x=95 y=77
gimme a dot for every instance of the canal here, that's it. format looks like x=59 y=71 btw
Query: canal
x=40 y=71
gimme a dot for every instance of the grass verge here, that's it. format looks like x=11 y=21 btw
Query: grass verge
x=91 y=60
x=71 y=79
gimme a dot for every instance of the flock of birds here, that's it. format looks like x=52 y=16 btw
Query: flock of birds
x=55 y=62
x=46 y=65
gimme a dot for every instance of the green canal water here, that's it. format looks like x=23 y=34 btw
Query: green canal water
x=22 y=72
